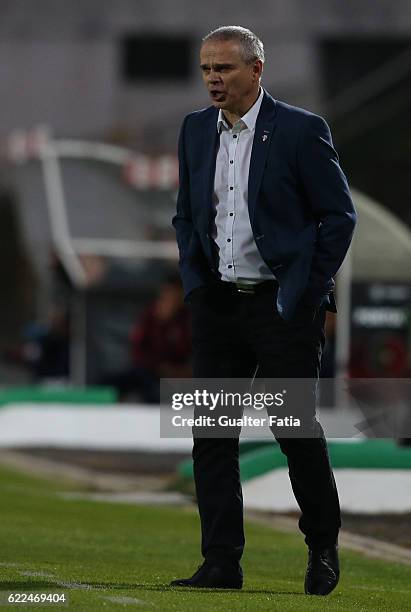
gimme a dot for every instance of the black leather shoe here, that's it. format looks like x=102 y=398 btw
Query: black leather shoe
x=323 y=571
x=209 y=575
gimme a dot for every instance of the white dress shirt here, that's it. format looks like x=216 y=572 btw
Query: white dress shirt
x=239 y=258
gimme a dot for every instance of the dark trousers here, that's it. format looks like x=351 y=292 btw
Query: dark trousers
x=232 y=333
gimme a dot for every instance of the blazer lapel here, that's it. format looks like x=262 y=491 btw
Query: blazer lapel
x=264 y=128
x=209 y=155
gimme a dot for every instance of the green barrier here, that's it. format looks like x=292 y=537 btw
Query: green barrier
x=367 y=454
x=57 y=395
x=379 y=454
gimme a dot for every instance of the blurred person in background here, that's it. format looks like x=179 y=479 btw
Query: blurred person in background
x=160 y=345
x=264 y=220
x=46 y=348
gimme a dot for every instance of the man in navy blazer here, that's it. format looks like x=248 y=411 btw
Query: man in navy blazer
x=264 y=220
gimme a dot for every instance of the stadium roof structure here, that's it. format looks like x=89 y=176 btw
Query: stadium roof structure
x=381 y=248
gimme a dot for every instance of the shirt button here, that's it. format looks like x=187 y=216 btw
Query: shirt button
x=229 y=266
x=231 y=214
x=234 y=135
x=231 y=161
x=228 y=239
x=231 y=188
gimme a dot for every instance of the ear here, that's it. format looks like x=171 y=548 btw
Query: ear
x=257 y=69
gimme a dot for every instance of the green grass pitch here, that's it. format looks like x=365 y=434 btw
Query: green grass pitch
x=119 y=556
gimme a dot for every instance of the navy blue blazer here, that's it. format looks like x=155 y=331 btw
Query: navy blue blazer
x=301 y=212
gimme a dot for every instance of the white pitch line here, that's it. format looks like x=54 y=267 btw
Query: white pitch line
x=55 y=580
x=369 y=588
x=126 y=600
x=122 y=600
x=61 y=583
x=34 y=574
x=76 y=585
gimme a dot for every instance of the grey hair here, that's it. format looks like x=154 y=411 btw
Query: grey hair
x=251 y=46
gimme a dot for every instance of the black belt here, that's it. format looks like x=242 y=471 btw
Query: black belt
x=248 y=288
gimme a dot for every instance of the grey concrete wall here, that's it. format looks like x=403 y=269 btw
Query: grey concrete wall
x=59 y=60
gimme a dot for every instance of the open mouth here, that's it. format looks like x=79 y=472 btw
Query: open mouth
x=217 y=95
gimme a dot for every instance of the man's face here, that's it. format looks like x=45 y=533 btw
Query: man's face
x=229 y=80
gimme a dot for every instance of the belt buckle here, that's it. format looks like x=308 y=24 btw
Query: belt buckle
x=245 y=288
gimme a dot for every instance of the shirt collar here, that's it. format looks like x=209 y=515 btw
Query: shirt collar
x=247 y=121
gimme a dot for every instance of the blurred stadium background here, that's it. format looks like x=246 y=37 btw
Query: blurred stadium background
x=92 y=100
x=92 y=97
